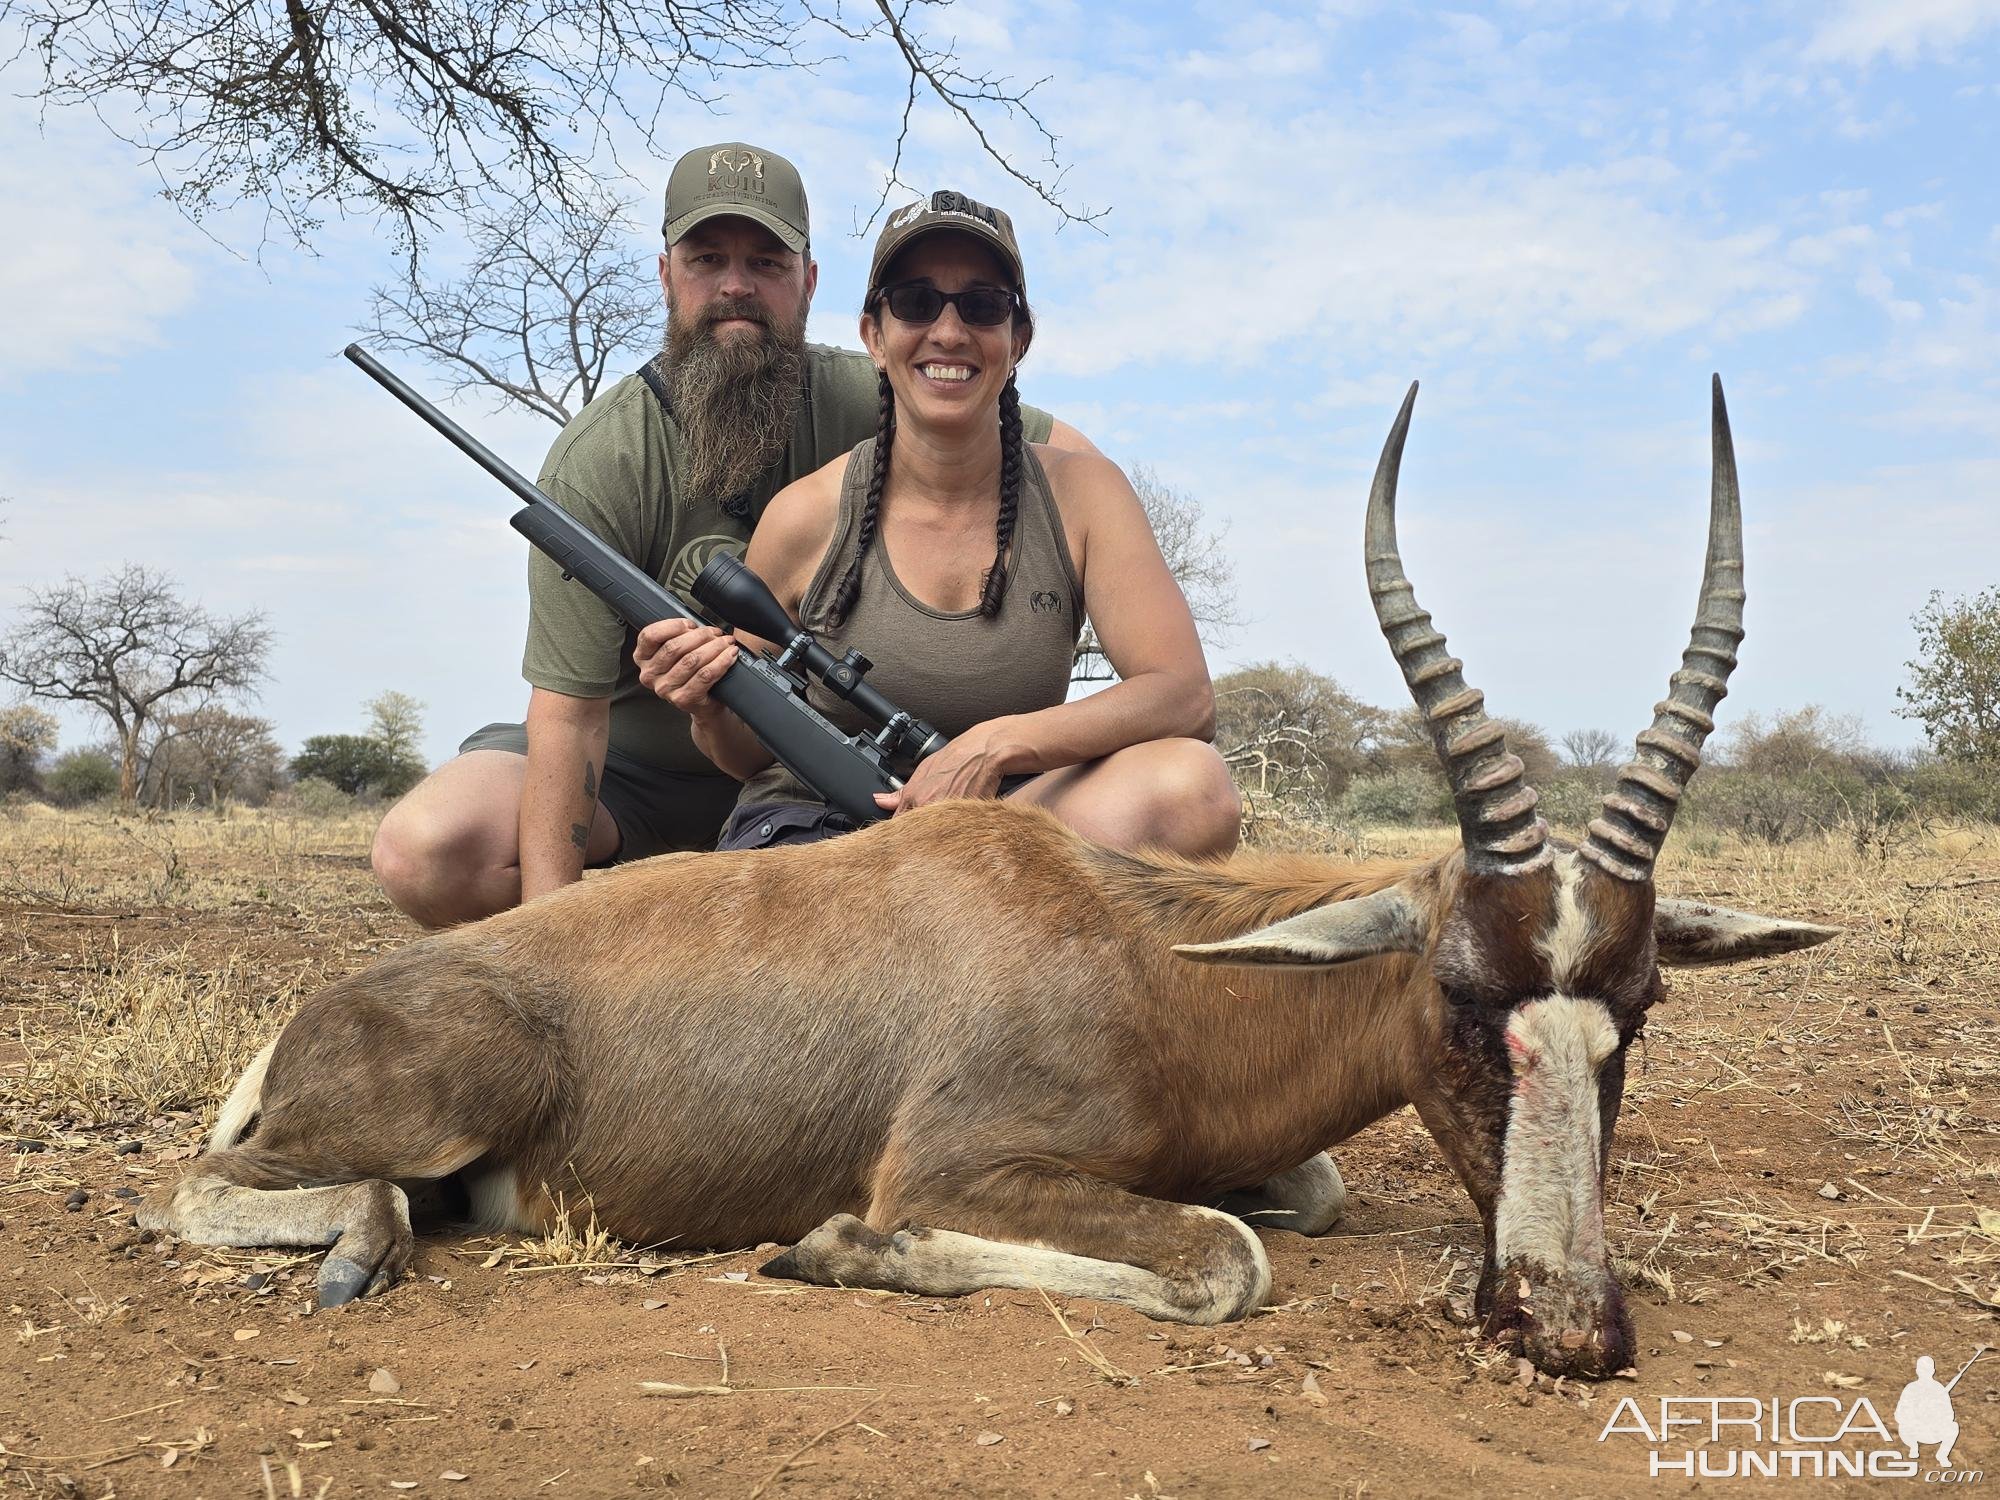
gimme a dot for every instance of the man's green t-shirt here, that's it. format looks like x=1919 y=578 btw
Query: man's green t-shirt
x=618 y=469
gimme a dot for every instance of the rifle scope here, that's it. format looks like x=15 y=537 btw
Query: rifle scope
x=741 y=599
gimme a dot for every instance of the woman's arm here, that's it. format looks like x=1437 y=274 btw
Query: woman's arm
x=682 y=662
x=1145 y=630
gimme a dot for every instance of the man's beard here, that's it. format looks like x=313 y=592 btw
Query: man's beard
x=735 y=398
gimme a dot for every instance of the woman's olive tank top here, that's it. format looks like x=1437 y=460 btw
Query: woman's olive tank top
x=951 y=668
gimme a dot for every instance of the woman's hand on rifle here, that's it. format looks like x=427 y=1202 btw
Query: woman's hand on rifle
x=680 y=661
x=971 y=765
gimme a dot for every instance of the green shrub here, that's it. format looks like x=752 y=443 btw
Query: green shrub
x=314 y=798
x=1407 y=795
x=358 y=764
x=82 y=776
x=1955 y=790
x=1571 y=799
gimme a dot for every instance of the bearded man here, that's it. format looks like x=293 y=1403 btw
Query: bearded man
x=669 y=466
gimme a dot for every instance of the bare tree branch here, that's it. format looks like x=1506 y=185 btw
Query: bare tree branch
x=1195 y=557
x=411 y=112
x=972 y=97
x=547 y=303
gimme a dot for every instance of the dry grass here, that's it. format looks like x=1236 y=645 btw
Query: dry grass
x=140 y=1036
x=101 y=860
x=109 y=1032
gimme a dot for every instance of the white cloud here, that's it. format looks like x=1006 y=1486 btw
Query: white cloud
x=89 y=265
x=1860 y=31
x=1339 y=268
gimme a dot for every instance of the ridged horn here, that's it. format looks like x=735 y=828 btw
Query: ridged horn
x=1503 y=834
x=1625 y=841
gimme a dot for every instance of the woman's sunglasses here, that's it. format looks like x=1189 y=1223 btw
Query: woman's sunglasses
x=978 y=306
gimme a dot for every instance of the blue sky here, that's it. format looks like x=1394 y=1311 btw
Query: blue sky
x=1559 y=217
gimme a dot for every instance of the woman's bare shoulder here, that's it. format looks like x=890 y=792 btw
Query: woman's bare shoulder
x=1086 y=480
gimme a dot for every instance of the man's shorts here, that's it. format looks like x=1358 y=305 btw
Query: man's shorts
x=657 y=811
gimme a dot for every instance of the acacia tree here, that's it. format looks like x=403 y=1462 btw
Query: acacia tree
x=1954 y=686
x=1195 y=557
x=397 y=720
x=1288 y=731
x=409 y=113
x=215 y=754
x=132 y=648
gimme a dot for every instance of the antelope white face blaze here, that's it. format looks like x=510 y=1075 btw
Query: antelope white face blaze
x=1550 y=1215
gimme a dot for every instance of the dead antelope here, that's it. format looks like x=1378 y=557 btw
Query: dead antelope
x=1009 y=1062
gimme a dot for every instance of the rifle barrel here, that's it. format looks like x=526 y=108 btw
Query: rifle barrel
x=454 y=434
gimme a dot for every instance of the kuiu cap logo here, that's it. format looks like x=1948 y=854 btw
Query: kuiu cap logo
x=744 y=169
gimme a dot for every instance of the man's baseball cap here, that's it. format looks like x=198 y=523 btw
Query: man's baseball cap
x=746 y=181
x=945 y=209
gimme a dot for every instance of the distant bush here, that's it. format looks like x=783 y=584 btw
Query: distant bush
x=314 y=798
x=1408 y=795
x=27 y=734
x=1572 y=798
x=81 y=776
x=1955 y=790
x=358 y=764
x=1777 y=809
x=1955 y=679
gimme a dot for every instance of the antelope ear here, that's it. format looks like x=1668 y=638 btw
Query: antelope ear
x=1693 y=934
x=1386 y=922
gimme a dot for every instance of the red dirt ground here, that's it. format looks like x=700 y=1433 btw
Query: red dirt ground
x=146 y=1369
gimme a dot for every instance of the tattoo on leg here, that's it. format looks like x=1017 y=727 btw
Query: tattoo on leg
x=579 y=835
x=589 y=780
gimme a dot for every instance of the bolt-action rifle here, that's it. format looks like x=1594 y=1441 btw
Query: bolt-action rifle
x=767 y=691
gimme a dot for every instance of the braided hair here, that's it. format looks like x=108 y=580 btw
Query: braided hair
x=993 y=586
x=885 y=435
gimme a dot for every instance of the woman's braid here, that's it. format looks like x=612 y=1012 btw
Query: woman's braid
x=885 y=435
x=1011 y=448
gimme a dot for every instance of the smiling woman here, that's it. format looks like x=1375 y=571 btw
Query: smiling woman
x=963 y=560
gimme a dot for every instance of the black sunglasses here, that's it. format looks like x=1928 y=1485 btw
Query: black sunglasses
x=978 y=306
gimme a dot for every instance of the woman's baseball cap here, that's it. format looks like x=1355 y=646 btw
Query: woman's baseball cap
x=945 y=209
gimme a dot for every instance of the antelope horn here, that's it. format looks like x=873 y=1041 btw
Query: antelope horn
x=1496 y=808
x=1626 y=840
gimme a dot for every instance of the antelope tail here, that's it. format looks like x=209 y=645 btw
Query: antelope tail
x=243 y=1104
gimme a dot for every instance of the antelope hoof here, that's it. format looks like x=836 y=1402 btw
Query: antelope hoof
x=373 y=1251
x=341 y=1281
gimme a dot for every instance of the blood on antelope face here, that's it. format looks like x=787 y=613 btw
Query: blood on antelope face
x=1542 y=982
x=1542 y=958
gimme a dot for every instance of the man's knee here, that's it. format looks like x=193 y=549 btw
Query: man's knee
x=436 y=867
